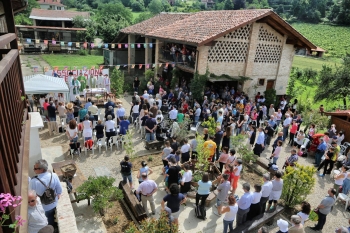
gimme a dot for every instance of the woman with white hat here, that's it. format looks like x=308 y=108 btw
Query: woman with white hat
x=283 y=226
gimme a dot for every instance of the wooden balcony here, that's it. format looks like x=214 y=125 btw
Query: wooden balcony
x=14 y=128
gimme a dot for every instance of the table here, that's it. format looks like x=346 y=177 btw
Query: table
x=94 y=91
x=77 y=180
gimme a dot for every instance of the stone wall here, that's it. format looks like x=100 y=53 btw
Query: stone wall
x=256 y=51
x=64 y=213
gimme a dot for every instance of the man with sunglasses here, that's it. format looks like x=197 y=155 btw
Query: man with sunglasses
x=49 y=179
x=36 y=214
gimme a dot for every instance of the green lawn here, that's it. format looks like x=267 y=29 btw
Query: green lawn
x=314 y=63
x=70 y=60
x=136 y=14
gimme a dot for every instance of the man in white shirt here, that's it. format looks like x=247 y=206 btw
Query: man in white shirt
x=271 y=110
x=146 y=189
x=151 y=100
x=265 y=191
x=36 y=214
x=286 y=124
x=197 y=114
x=173 y=114
x=70 y=77
x=107 y=83
x=99 y=83
x=260 y=142
x=145 y=95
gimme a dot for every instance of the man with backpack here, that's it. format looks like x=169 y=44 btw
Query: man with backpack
x=48 y=187
x=126 y=171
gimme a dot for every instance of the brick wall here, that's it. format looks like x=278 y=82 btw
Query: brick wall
x=65 y=214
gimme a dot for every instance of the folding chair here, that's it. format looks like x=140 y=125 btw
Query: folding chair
x=114 y=140
x=195 y=128
x=101 y=142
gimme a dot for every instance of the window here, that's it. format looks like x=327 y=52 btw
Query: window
x=261 y=82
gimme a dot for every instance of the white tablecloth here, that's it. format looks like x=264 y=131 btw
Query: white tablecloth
x=94 y=91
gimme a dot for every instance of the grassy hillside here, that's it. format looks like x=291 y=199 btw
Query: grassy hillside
x=70 y=60
x=334 y=39
x=313 y=63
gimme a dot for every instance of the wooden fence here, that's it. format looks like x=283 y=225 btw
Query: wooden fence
x=14 y=125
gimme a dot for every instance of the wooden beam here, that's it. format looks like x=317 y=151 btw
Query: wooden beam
x=7 y=62
x=10 y=21
x=6 y=39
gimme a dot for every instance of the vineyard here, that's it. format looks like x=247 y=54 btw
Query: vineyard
x=334 y=39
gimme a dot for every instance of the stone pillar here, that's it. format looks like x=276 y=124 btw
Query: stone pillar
x=63 y=24
x=35 y=31
x=36 y=122
x=156 y=58
x=148 y=53
x=253 y=41
x=131 y=52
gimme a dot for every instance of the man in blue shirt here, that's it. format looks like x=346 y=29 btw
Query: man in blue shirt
x=50 y=180
x=272 y=122
x=244 y=205
x=321 y=149
x=120 y=113
x=124 y=125
x=259 y=145
x=88 y=104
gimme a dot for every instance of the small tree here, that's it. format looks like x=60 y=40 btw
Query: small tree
x=211 y=124
x=314 y=117
x=298 y=182
x=117 y=82
x=270 y=96
x=101 y=190
x=202 y=155
x=197 y=85
x=153 y=225
x=184 y=131
x=240 y=144
x=129 y=145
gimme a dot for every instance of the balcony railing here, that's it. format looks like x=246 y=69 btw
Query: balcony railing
x=14 y=128
x=186 y=63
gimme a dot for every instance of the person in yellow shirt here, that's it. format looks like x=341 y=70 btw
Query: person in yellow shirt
x=240 y=107
x=210 y=145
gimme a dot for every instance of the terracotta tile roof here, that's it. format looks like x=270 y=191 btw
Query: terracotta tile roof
x=42 y=2
x=56 y=15
x=196 y=27
x=158 y=21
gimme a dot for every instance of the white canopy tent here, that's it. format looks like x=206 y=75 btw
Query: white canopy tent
x=41 y=84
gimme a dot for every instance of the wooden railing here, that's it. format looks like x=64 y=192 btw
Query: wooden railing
x=14 y=128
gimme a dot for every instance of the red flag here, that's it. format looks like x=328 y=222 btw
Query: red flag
x=140 y=66
x=166 y=65
x=101 y=67
x=119 y=46
x=85 y=45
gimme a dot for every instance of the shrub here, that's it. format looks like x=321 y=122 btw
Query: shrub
x=82 y=52
x=100 y=190
x=202 y=157
x=117 y=82
x=211 y=124
x=298 y=182
x=241 y=147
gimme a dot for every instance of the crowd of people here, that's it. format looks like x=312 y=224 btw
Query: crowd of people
x=160 y=116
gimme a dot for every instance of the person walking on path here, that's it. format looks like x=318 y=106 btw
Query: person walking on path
x=147 y=188
x=324 y=208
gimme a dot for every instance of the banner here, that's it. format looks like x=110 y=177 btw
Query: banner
x=37 y=41
x=132 y=66
x=86 y=73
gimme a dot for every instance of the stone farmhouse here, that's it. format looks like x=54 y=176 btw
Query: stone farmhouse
x=230 y=44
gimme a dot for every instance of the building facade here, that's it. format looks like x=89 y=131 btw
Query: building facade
x=51 y=5
x=252 y=43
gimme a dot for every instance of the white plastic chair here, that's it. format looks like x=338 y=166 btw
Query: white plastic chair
x=101 y=142
x=345 y=198
x=77 y=119
x=195 y=128
x=122 y=140
x=94 y=124
x=305 y=141
x=137 y=123
x=92 y=148
x=114 y=140
x=45 y=120
x=342 y=149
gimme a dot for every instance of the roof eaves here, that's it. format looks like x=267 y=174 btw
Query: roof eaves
x=234 y=28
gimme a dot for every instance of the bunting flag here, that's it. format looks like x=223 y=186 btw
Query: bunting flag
x=62 y=43
x=119 y=46
x=173 y=64
x=70 y=44
x=166 y=65
x=92 y=45
x=147 y=66
x=126 y=46
x=138 y=46
x=112 y=46
x=101 y=67
x=29 y=40
x=53 y=42
x=145 y=45
x=77 y=44
x=160 y=65
x=46 y=69
x=132 y=46
x=153 y=65
x=92 y=67
x=151 y=45
x=46 y=41
x=99 y=45
x=140 y=66
x=37 y=41
x=117 y=67
x=85 y=45
x=106 y=46
x=84 y=68
x=132 y=66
